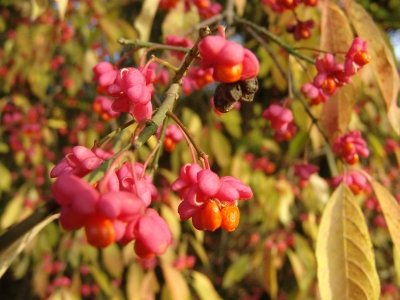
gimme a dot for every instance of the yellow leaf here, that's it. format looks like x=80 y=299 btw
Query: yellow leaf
x=383 y=63
x=240 y=6
x=178 y=21
x=336 y=36
x=38 y=7
x=286 y=200
x=134 y=279
x=62 y=8
x=336 y=33
x=89 y=61
x=56 y=124
x=396 y=260
x=144 y=20
x=391 y=211
x=346 y=265
x=149 y=286
x=176 y=283
x=204 y=287
x=12 y=211
x=6 y=180
x=270 y=273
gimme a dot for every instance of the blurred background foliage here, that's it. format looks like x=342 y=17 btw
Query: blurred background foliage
x=47 y=52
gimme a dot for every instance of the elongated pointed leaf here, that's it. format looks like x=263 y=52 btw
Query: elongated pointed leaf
x=346 y=266
x=176 y=283
x=336 y=32
x=270 y=280
x=9 y=254
x=382 y=63
x=391 y=211
x=204 y=287
x=336 y=36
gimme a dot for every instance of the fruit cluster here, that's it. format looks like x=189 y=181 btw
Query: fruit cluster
x=213 y=216
x=283 y=5
x=115 y=210
x=196 y=79
x=304 y=171
x=133 y=90
x=350 y=147
x=230 y=61
x=102 y=106
x=210 y=201
x=355 y=181
x=281 y=120
x=300 y=30
x=173 y=135
x=332 y=75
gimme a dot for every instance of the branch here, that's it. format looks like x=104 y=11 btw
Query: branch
x=141 y=44
x=17 y=231
x=151 y=126
x=274 y=38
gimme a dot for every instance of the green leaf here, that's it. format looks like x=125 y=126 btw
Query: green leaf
x=101 y=279
x=232 y=122
x=236 y=271
x=173 y=221
x=204 y=287
x=375 y=145
x=199 y=249
x=192 y=122
x=112 y=260
x=346 y=265
x=297 y=143
x=220 y=148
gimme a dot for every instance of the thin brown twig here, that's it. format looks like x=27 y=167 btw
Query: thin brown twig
x=200 y=153
x=268 y=48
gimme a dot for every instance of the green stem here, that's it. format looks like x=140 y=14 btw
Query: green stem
x=154 y=165
x=142 y=44
x=113 y=133
x=274 y=38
